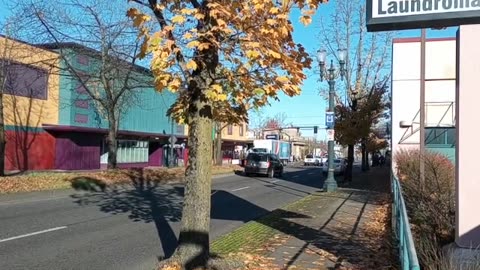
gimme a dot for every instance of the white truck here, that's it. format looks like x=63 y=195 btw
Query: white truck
x=281 y=148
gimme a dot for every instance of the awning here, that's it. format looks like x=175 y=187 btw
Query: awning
x=64 y=128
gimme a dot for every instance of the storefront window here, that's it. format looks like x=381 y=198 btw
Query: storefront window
x=128 y=151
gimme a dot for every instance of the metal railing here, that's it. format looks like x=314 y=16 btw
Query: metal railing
x=401 y=228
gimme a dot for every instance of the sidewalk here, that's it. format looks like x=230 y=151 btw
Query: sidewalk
x=348 y=229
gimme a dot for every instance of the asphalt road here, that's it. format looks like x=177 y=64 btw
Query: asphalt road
x=130 y=227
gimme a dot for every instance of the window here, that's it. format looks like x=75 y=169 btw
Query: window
x=440 y=136
x=241 y=130
x=256 y=157
x=82 y=60
x=180 y=129
x=81 y=118
x=27 y=81
x=81 y=104
x=80 y=87
x=230 y=130
x=128 y=151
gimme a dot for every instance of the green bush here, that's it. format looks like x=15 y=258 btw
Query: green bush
x=430 y=204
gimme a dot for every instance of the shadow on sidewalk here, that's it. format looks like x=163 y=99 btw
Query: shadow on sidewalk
x=377 y=179
x=146 y=200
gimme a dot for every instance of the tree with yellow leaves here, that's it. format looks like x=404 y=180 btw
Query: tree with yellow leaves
x=201 y=45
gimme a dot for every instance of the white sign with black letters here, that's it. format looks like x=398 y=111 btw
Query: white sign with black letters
x=410 y=14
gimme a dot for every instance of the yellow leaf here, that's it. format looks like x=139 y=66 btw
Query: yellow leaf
x=191 y=65
x=203 y=46
x=174 y=85
x=188 y=11
x=273 y=10
x=258 y=6
x=306 y=20
x=221 y=97
x=178 y=19
x=221 y=22
x=282 y=79
x=217 y=88
x=187 y=35
x=138 y=18
x=271 y=22
x=252 y=54
x=274 y=54
x=308 y=12
x=192 y=44
x=199 y=16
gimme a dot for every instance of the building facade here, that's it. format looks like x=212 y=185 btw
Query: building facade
x=53 y=123
x=235 y=141
x=440 y=86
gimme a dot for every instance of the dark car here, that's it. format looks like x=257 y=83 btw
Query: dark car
x=264 y=164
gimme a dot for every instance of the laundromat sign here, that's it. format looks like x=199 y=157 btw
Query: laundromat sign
x=384 y=15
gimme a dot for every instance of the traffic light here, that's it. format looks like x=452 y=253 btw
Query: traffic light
x=315 y=129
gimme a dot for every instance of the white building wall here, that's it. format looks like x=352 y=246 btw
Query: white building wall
x=439 y=88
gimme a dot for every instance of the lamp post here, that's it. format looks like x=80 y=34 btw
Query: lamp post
x=330 y=75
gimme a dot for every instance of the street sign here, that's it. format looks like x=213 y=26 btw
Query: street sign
x=172 y=139
x=330 y=135
x=271 y=137
x=386 y=15
x=329 y=120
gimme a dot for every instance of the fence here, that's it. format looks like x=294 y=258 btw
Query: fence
x=401 y=228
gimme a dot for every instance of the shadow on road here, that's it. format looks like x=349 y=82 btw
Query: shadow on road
x=147 y=200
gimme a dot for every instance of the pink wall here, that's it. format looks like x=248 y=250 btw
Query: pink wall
x=468 y=143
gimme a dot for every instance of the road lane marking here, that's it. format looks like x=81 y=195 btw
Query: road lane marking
x=295 y=176
x=310 y=173
x=33 y=233
x=274 y=181
x=242 y=188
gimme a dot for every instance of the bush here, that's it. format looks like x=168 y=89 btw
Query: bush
x=431 y=204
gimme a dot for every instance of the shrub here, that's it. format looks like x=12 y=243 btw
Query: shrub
x=430 y=204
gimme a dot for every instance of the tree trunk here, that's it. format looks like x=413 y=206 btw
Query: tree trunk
x=350 y=159
x=112 y=141
x=2 y=138
x=218 y=148
x=364 y=156
x=193 y=244
x=367 y=160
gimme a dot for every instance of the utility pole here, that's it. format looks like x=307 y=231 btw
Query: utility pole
x=172 y=142
x=422 y=105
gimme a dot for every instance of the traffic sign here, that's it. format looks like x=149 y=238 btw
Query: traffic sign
x=330 y=135
x=172 y=139
x=329 y=120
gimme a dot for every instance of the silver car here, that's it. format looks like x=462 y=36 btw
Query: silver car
x=339 y=166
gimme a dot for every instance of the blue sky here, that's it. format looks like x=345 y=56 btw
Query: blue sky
x=307 y=109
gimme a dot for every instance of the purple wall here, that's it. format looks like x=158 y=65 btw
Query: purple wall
x=77 y=151
x=155 y=155
x=127 y=165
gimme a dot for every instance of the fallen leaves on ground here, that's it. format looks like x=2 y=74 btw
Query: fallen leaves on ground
x=95 y=180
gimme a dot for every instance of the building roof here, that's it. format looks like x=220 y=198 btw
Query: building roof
x=75 y=46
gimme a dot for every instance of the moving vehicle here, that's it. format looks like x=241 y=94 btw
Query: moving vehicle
x=339 y=166
x=311 y=160
x=280 y=148
x=264 y=164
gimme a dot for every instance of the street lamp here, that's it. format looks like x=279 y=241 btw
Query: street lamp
x=330 y=75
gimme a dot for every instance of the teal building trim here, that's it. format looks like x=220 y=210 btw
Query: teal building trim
x=145 y=111
x=441 y=140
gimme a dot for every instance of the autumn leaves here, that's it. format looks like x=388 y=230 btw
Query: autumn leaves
x=257 y=57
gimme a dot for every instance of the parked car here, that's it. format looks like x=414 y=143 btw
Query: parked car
x=263 y=164
x=339 y=166
x=311 y=160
